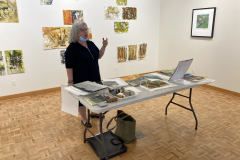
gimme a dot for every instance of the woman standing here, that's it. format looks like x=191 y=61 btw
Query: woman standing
x=81 y=59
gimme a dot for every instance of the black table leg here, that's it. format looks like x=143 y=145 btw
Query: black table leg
x=86 y=128
x=190 y=103
x=101 y=133
x=102 y=138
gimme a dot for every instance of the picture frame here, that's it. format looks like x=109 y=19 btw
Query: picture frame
x=203 y=20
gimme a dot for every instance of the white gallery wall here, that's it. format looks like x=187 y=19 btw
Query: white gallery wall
x=216 y=57
x=43 y=68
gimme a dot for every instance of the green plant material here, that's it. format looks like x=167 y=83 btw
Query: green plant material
x=112 y=13
x=132 y=52
x=142 y=52
x=55 y=37
x=195 y=78
x=121 y=2
x=122 y=54
x=168 y=72
x=8 y=11
x=155 y=84
x=14 y=61
x=202 y=21
x=2 y=66
x=129 y=13
x=121 y=27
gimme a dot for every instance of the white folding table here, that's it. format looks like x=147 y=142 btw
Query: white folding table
x=142 y=96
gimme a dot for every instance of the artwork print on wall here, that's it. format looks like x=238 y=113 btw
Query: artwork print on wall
x=121 y=2
x=62 y=55
x=2 y=65
x=203 y=20
x=14 y=61
x=46 y=2
x=8 y=11
x=71 y=16
x=121 y=27
x=129 y=13
x=122 y=54
x=89 y=32
x=55 y=37
x=112 y=12
x=132 y=52
x=142 y=51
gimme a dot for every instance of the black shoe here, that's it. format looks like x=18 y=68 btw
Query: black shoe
x=89 y=124
x=96 y=115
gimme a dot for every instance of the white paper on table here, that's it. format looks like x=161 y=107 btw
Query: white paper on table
x=76 y=91
x=168 y=86
x=121 y=83
x=133 y=89
x=185 y=82
x=181 y=69
x=161 y=76
x=69 y=103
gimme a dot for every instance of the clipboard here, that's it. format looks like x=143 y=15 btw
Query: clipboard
x=181 y=69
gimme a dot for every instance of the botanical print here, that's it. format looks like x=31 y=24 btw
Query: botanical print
x=168 y=72
x=2 y=66
x=132 y=52
x=121 y=27
x=46 y=2
x=14 y=61
x=112 y=12
x=55 y=37
x=151 y=76
x=71 y=16
x=77 y=15
x=62 y=55
x=142 y=51
x=67 y=17
x=129 y=13
x=89 y=32
x=155 y=84
x=122 y=53
x=202 y=21
x=121 y=2
x=137 y=81
x=196 y=78
x=8 y=11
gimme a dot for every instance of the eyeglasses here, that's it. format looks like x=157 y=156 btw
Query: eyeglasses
x=86 y=29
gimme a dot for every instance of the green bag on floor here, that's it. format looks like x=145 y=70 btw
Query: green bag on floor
x=126 y=125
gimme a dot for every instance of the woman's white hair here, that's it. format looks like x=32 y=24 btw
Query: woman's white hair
x=73 y=36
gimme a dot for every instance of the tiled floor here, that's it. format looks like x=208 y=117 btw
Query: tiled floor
x=34 y=127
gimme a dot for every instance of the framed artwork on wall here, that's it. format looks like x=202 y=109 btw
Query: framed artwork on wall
x=203 y=22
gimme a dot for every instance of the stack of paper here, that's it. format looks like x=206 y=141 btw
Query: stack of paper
x=88 y=86
x=76 y=91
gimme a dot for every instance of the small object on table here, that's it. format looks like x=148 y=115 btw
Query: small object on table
x=111 y=100
x=128 y=93
x=115 y=91
x=131 y=93
x=120 y=95
x=102 y=104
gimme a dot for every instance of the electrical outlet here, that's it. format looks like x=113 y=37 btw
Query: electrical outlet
x=115 y=68
x=13 y=82
x=193 y=71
